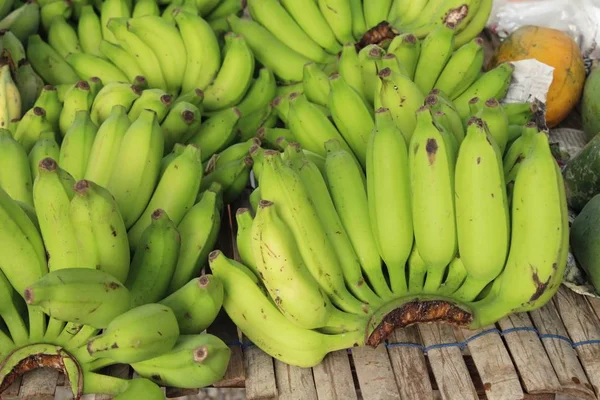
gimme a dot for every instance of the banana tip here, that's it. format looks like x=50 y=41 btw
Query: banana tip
x=81 y=187
x=241 y=211
x=29 y=296
x=39 y=111
x=475 y=121
x=381 y=110
x=83 y=85
x=204 y=281
x=410 y=38
x=48 y=164
x=431 y=100
x=384 y=73
x=492 y=103
x=213 y=255
x=294 y=96
x=158 y=213
x=166 y=99
x=265 y=203
x=474 y=100
x=200 y=354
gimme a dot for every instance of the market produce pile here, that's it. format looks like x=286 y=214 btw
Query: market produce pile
x=394 y=185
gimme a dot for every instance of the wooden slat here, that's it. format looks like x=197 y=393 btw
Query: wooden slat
x=333 y=377
x=12 y=392
x=497 y=372
x=529 y=355
x=451 y=374
x=39 y=384
x=582 y=324
x=294 y=383
x=563 y=357
x=410 y=367
x=226 y=330
x=375 y=374
x=260 y=374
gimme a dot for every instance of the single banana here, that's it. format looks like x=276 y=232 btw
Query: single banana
x=63 y=37
x=206 y=6
x=199 y=231
x=235 y=76
x=264 y=325
x=10 y=98
x=432 y=198
x=182 y=120
x=534 y=259
x=78 y=98
x=9 y=312
x=155 y=100
x=281 y=185
x=391 y=61
x=493 y=83
x=494 y=117
x=87 y=65
x=437 y=103
x=269 y=136
x=478 y=22
x=338 y=14
x=436 y=50
x=369 y=56
x=376 y=11
x=217 y=132
x=462 y=69
x=147 y=60
x=350 y=69
x=112 y=9
x=456 y=276
x=140 y=153
x=83 y=295
x=113 y=94
x=195 y=97
x=105 y=148
x=310 y=126
x=15 y=174
x=408 y=13
x=260 y=94
x=49 y=101
x=139 y=334
x=31 y=126
x=389 y=199
x=196 y=304
x=517 y=151
x=402 y=97
x=274 y=17
x=519 y=113
x=13 y=45
x=166 y=43
x=232 y=177
x=249 y=124
x=225 y=8
x=269 y=50
x=123 y=60
x=54 y=9
x=351 y=115
x=407 y=49
x=482 y=221
x=89 y=31
x=359 y=25
x=244 y=221
x=232 y=153
x=100 y=229
x=202 y=47
x=316 y=84
x=194 y=361
x=46 y=146
x=77 y=145
x=144 y=8
x=23 y=21
x=29 y=85
x=154 y=260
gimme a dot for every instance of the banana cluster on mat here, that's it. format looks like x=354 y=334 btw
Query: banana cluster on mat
x=285 y=35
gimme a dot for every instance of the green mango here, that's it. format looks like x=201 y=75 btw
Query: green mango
x=585 y=240
x=590 y=104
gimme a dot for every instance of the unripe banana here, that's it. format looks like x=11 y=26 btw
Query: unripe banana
x=482 y=221
x=351 y=115
x=475 y=106
x=270 y=51
x=78 y=98
x=519 y=149
x=137 y=388
x=10 y=98
x=244 y=221
x=225 y=8
x=519 y=113
x=402 y=97
x=195 y=97
x=388 y=193
x=77 y=145
x=181 y=121
x=260 y=94
x=437 y=103
x=9 y=312
x=100 y=229
x=140 y=153
x=359 y=26
x=87 y=65
x=23 y=21
x=28 y=131
x=376 y=11
x=494 y=117
x=432 y=198
x=273 y=16
x=206 y=6
x=29 y=85
x=338 y=14
x=175 y=193
x=493 y=83
x=143 y=8
x=46 y=146
x=435 y=52
x=316 y=84
x=462 y=69
x=156 y=100
x=123 y=60
x=148 y=61
x=265 y=326
x=232 y=177
x=196 y=304
x=217 y=132
x=62 y=37
x=89 y=30
x=139 y=334
x=368 y=57
x=454 y=279
x=13 y=45
x=112 y=9
x=350 y=69
x=113 y=94
x=270 y=135
x=81 y=295
x=195 y=361
x=154 y=260
x=105 y=148
x=479 y=19
x=280 y=184
x=391 y=61
x=199 y=232
x=307 y=15
x=15 y=174
x=203 y=54
x=48 y=100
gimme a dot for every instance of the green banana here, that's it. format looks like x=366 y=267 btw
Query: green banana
x=462 y=69
x=316 y=84
x=82 y=295
x=217 y=132
x=89 y=31
x=376 y=11
x=110 y=10
x=154 y=260
x=143 y=8
x=78 y=98
x=308 y=16
x=369 y=56
x=338 y=14
x=407 y=49
x=260 y=94
x=112 y=94
x=23 y=21
x=182 y=120
x=77 y=145
x=270 y=135
x=244 y=221
x=15 y=173
x=232 y=177
x=87 y=65
x=46 y=146
x=10 y=98
x=49 y=101
x=49 y=11
x=9 y=313
x=13 y=45
x=31 y=126
x=155 y=100
x=496 y=120
x=63 y=37
x=436 y=50
x=359 y=25
x=350 y=69
x=123 y=60
x=29 y=85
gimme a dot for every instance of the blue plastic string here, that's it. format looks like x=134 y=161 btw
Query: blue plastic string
x=463 y=345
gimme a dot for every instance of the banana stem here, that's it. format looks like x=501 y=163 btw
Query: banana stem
x=82 y=355
x=433 y=279
x=469 y=289
x=96 y=383
x=70 y=330
x=397 y=275
x=416 y=279
x=16 y=326
x=6 y=344
x=344 y=340
x=100 y=363
x=82 y=336
x=346 y=322
x=37 y=324
x=54 y=329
